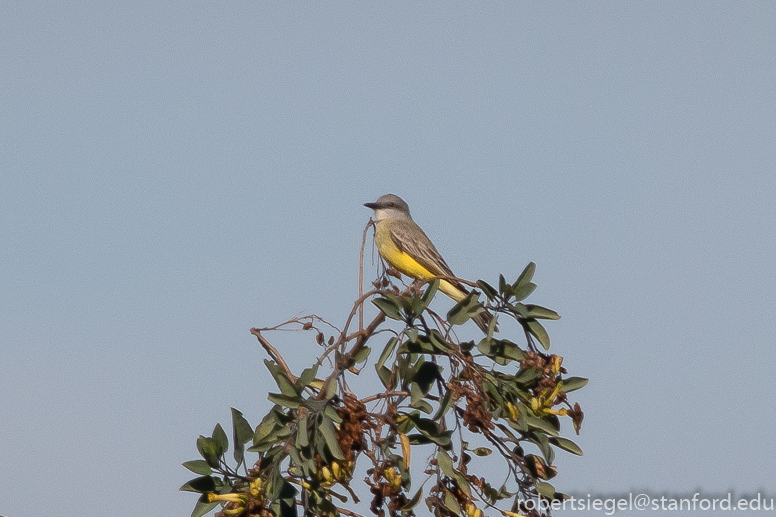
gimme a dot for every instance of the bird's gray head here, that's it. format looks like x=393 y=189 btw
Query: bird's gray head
x=390 y=206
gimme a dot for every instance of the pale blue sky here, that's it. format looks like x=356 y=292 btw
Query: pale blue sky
x=173 y=175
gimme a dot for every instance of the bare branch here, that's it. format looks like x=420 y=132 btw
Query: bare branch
x=362 y=337
x=384 y=395
x=361 y=274
x=422 y=281
x=345 y=511
x=273 y=353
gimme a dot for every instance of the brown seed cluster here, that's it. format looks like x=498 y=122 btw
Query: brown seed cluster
x=355 y=420
x=476 y=417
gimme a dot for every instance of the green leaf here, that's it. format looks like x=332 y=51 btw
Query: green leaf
x=488 y=289
x=526 y=276
x=447 y=401
x=536 y=329
x=438 y=343
x=524 y=291
x=519 y=310
x=287 y=387
x=330 y=435
x=566 y=445
x=545 y=489
x=416 y=394
x=521 y=425
x=266 y=427
x=491 y=389
x=553 y=420
x=506 y=290
x=220 y=436
x=412 y=503
x=425 y=376
x=271 y=454
x=302 y=438
x=540 y=439
x=542 y=313
x=203 y=485
x=409 y=302
x=331 y=412
x=573 y=383
x=433 y=287
x=460 y=312
x=482 y=451
x=330 y=388
x=419 y=439
x=285 y=401
x=422 y=345
x=542 y=425
x=403 y=365
x=445 y=463
x=202 y=508
x=387 y=351
x=297 y=462
x=512 y=351
x=210 y=450
x=422 y=405
x=466 y=346
x=308 y=376
x=385 y=377
x=502 y=284
x=491 y=494
x=283 y=496
x=389 y=307
x=431 y=430
x=406 y=425
x=198 y=467
x=443 y=439
x=501 y=351
x=475 y=309
x=242 y=429
x=451 y=503
x=362 y=355
x=527 y=375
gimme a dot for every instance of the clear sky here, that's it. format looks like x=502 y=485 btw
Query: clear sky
x=173 y=174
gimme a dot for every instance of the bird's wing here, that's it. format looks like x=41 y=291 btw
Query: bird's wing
x=410 y=239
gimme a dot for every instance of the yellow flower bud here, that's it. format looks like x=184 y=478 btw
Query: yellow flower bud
x=326 y=474
x=231 y=498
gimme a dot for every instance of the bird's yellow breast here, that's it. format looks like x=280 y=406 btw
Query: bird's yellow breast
x=405 y=263
x=396 y=257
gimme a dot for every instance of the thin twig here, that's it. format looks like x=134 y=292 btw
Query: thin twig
x=359 y=303
x=365 y=334
x=361 y=274
x=343 y=337
x=273 y=353
x=299 y=320
x=427 y=280
x=345 y=511
x=384 y=395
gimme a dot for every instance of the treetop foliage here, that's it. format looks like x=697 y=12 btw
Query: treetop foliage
x=463 y=427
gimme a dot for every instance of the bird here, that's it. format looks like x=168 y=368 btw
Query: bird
x=405 y=246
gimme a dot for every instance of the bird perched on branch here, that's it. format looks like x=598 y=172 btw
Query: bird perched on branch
x=402 y=243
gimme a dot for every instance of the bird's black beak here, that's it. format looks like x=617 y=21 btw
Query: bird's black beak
x=373 y=206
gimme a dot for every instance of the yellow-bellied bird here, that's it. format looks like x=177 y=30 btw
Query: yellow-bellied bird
x=402 y=244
